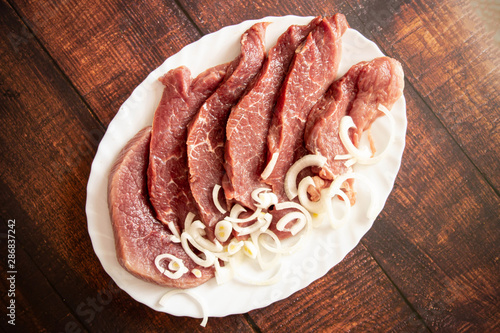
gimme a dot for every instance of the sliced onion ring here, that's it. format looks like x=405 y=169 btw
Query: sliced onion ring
x=171 y=272
x=362 y=157
x=196 y=298
x=292 y=173
x=264 y=198
x=312 y=206
x=233 y=217
x=334 y=222
x=262 y=222
x=195 y=231
x=265 y=265
x=296 y=227
x=187 y=239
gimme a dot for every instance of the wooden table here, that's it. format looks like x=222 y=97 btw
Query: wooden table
x=431 y=260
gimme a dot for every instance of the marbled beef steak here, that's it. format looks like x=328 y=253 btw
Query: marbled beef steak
x=139 y=237
x=313 y=69
x=168 y=175
x=206 y=133
x=248 y=123
x=357 y=94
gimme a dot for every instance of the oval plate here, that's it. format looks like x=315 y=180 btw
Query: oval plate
x=315 y=259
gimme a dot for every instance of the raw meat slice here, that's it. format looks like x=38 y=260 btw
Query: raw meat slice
x=380 y=82
x=322 y=127
x=248 y=123
x=139 y=237
x=206 y=133
x=357 y=94
x=313 y=69
x=168 y=175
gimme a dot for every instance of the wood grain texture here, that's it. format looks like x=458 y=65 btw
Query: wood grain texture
x=107 y=48
x=354 y=296
x=438 y=241
x=33 y=292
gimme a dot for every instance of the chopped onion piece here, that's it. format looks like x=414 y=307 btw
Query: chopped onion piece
x=174 y=239
x=292 y=173
x=209 y=256
x=234 y=246
x=342 y=157
x=267 y=218
x=175 y=265
x=270 y=166
x=250 y=249
x=196 y=272
x=196 y=298
x=215 y=198
x=350 y=162
x=223 y=230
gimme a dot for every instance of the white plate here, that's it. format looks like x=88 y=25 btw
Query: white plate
x=300 y=269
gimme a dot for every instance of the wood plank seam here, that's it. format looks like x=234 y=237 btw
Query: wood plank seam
x=252 y=323
x=190 y=19
x=399 y=291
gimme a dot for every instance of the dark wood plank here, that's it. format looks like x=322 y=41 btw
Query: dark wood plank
x=438 y=235
x=453 y=63
x=354 y=296
x=211 y=18
x=33 y=294
x=107 y=49
x=48 y=138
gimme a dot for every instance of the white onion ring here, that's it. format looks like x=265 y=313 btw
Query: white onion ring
x=362 y=157
x=195 y=231
x=317 y=207
x=209 y=256
x=290 y=184
x=196 y=298
x=233 y=217
x=171 y=272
